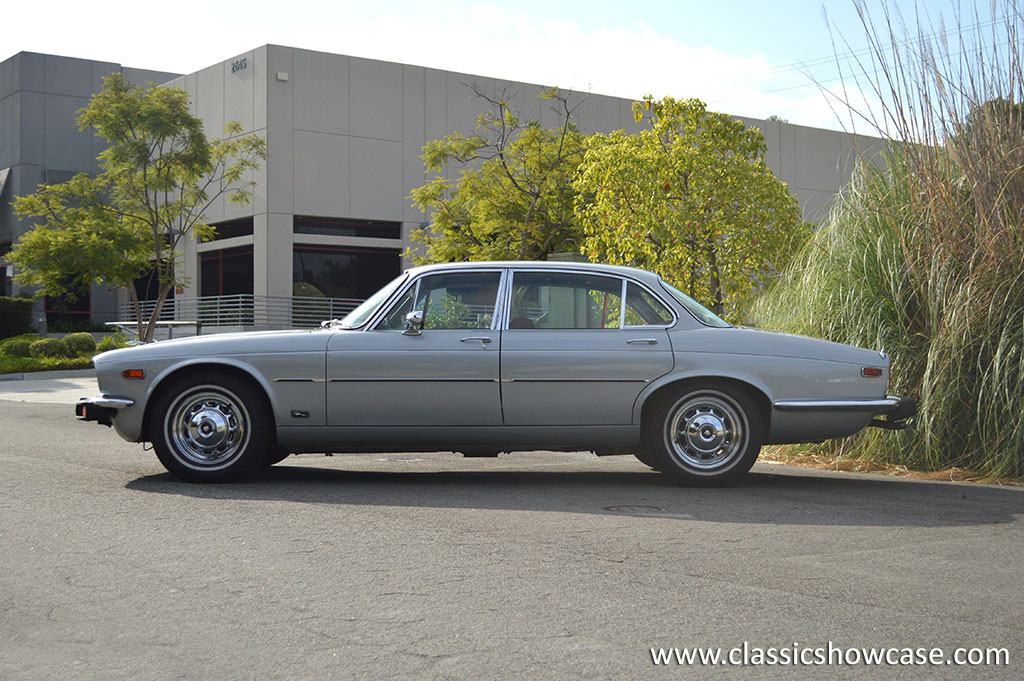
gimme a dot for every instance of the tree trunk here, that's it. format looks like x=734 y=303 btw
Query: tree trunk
x=165 y=290
x=717 y=306
x=134 y=295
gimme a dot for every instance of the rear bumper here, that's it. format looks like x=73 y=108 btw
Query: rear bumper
x=101 y=408
x=895 y=409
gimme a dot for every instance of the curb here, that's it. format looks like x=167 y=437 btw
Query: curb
x=43 y=375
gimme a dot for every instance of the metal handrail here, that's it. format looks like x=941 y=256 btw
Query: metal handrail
x=245 y=310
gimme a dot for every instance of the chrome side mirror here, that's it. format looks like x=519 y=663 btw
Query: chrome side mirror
x=413 y=323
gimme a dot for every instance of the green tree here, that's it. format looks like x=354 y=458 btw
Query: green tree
x=160 y=174
x=513 y=197
x=689 y=197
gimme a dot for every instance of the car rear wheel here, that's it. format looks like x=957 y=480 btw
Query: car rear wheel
x=706 y=434
x=211 y=428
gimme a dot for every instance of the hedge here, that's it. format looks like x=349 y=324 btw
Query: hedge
x=50 y=347
x=80 y=343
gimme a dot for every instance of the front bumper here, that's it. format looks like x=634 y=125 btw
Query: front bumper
x=895 y=409
x=101 y=408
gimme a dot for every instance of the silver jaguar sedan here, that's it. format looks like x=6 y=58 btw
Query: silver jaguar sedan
x=483 y=358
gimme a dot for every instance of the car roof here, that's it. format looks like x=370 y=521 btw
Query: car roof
x=598 y=268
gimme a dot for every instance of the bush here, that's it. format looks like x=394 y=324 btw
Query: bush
x=113 y=342
x=50 y=347
x=17 y=347
x=80 y=343
x=15 y=316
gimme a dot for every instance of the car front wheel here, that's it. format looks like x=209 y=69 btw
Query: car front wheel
x=212 y=428
x=706 y=434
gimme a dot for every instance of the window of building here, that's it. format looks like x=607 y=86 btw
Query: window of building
x=233 y=228
x=147 y=287
x=226 y=272
x=376 y=229
x=8 y=270
x=344 y=272
x=64 y=315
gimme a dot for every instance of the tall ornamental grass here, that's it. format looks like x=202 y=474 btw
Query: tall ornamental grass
x=923 y=254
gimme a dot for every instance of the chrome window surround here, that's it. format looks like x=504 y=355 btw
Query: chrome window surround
x=622 y=296
x=389 y=304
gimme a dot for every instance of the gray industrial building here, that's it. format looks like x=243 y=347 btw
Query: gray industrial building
x=344 y=137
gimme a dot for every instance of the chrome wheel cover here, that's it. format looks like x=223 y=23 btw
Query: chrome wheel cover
x=207 y=427
x=706 y=431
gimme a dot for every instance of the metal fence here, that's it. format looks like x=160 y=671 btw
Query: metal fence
x=245 y=310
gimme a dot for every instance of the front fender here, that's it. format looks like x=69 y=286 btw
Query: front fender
x=130 y=423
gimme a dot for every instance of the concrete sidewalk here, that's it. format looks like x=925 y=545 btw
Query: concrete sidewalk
x=55 y=387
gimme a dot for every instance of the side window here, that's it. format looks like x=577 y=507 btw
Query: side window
x=542 y=300
x=460 y=300
x=394 y=320
x=643 y=309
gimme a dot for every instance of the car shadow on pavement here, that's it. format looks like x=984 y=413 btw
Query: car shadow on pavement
x=788 y=497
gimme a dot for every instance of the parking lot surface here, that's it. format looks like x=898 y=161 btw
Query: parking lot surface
x=432 y=566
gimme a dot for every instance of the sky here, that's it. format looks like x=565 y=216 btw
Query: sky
x=743 y=57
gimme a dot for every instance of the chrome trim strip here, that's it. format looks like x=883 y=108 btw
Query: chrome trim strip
x=107 y=401
x=412 y=380
x=299 y=380
x=883 y=405
x=575 y=380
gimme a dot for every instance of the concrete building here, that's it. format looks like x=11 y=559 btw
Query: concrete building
x=40 y=96
x=344 y=138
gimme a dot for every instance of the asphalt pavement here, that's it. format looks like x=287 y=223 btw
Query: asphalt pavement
x=432 y=566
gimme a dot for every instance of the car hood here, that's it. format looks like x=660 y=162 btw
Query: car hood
x=744 y=341
x=302 y=340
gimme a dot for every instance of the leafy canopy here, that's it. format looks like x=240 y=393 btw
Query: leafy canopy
x=689 y=197
x=160 y=174
x=513 y=197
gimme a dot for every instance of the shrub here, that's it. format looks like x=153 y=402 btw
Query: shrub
x=17 y=347
x=80 y=343
x=15 y=316
x=49 y=347
x=112 y=342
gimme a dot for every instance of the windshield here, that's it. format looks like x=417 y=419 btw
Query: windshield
x=703 y=315
x=360 y=315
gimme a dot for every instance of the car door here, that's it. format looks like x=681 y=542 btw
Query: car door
x=442 y=374
x=568 y=358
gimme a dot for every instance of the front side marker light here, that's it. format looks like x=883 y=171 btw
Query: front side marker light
x=133 y=373
x=871 y=371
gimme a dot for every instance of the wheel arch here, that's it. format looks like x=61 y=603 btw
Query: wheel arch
x=658 y=390
x=203 y=366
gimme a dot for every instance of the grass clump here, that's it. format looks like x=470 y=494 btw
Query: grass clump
x=112 y=342
x=924 y=252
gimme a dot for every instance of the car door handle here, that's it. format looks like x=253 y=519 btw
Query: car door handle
x=649 y=341
x=482 y=339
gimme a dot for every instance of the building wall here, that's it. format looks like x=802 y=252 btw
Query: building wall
x=40 y=96
x=344 y=137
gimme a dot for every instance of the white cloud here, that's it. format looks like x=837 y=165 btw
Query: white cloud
x=625 y=61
